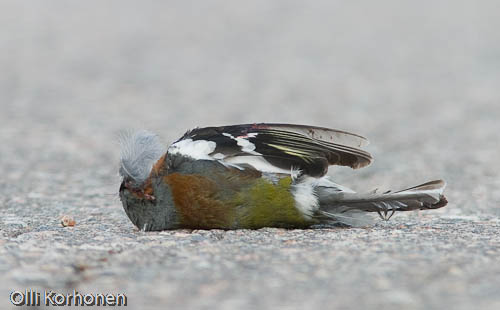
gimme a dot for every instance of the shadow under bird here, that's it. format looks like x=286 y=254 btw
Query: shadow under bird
x=254 y=176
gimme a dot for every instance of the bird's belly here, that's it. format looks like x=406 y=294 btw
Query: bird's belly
x=212 y=203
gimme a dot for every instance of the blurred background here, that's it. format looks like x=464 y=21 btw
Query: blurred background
x=420 y=79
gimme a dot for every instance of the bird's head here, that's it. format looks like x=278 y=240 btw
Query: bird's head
x=139 y=152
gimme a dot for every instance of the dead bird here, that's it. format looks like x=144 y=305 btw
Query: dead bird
x=254 y=176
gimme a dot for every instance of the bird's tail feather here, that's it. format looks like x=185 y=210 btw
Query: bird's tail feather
x=349 y=207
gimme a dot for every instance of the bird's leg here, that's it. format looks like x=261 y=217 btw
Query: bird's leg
x=380 y=214
x=383 y=211
x=393 y=211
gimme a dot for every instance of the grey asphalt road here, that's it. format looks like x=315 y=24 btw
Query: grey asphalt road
x=420 y=79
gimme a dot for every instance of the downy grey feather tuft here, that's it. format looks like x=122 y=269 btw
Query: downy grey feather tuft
x=139 y=151
x=336 y=204
x=352 y=218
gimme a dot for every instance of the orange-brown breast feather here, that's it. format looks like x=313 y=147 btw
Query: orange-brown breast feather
x=197 y=202
x=159 y=166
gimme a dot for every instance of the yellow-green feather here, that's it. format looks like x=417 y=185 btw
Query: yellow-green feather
x=265 y=204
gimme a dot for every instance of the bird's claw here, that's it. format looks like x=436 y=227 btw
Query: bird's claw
x=384 y=213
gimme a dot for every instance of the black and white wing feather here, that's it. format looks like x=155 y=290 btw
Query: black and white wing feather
x=275 y=148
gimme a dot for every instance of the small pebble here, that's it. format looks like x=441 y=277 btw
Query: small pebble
x=67 y=220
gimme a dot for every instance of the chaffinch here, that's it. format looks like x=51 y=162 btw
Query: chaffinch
x=253 y=176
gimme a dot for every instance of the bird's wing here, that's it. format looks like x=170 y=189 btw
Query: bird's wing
x=277 y=148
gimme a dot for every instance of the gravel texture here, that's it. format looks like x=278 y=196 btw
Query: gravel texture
x=419 y=79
